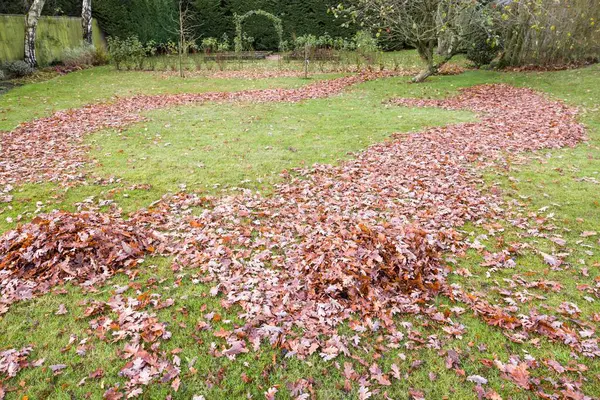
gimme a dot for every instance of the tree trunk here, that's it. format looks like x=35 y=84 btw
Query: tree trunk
x=425 y=51
x=306 y=61
x=181 y=73
x=426 y=73
x=86 y=21
x=31 y=21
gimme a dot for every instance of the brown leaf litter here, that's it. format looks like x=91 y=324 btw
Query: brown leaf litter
x=53 y=149
x=87 y=247
x=360 y=242
x=366 y=237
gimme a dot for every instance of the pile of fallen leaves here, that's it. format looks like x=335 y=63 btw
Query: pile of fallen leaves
x=143 y=332
x=12 y=361
x=248 y=74
x=260 y=73
x=357 y=262
x=546 y=68
x=451 y=69
x=62 y=246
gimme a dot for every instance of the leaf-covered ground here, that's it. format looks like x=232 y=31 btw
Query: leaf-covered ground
x=51 y=149
x=418 y=268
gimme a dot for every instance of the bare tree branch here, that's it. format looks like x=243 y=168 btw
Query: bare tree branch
x=418 y=23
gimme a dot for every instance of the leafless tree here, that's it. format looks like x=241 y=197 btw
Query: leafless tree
x=31 y=22
x=418 y=23
x=185 y=28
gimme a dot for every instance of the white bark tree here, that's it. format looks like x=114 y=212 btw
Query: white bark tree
x=31 y=22
x=86 y=21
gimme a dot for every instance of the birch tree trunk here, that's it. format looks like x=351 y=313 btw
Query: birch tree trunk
x=86 y=21
x=31 y=21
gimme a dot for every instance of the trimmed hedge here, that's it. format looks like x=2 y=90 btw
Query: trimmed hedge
x=148 y=20
x=151 y=19
x=54 y=36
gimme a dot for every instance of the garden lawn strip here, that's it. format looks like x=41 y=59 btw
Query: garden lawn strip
x=365 y=241
x=52 y=149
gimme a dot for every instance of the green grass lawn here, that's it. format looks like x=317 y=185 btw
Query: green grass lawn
x=100 y=84
x=211 y=148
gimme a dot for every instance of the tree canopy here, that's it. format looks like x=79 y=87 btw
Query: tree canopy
x=422 y=24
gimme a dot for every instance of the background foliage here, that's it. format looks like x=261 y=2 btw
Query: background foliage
x=549 y=32
x=155 y=19
x=51 y=7
x=146 y=19
x=521 y=32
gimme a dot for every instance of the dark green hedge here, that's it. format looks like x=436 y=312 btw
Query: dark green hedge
x=51 y=7
x=299 y=17
x=155 y=19
x=147 y=19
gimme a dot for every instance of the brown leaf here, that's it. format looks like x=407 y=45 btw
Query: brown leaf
x=518 y=374
x=555 y=365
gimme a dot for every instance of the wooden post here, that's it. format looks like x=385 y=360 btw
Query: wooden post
x=306 y=61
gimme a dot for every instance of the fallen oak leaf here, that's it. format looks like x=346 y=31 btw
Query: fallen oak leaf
x=452 y=359
x=97 y=374
x=62 y=310
x=555 y=365
x=236 y=348
x=491 y=394
x=113 y=394
x=222 y=333
x=364 y=393
x=551 y=260
x=395 y=371
x=57 y=368
x=480 y=380
x=175 y=384
x=38 y=363
x=559 y=241
x=519 y=374
x=270 y=393
x=416 y=394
